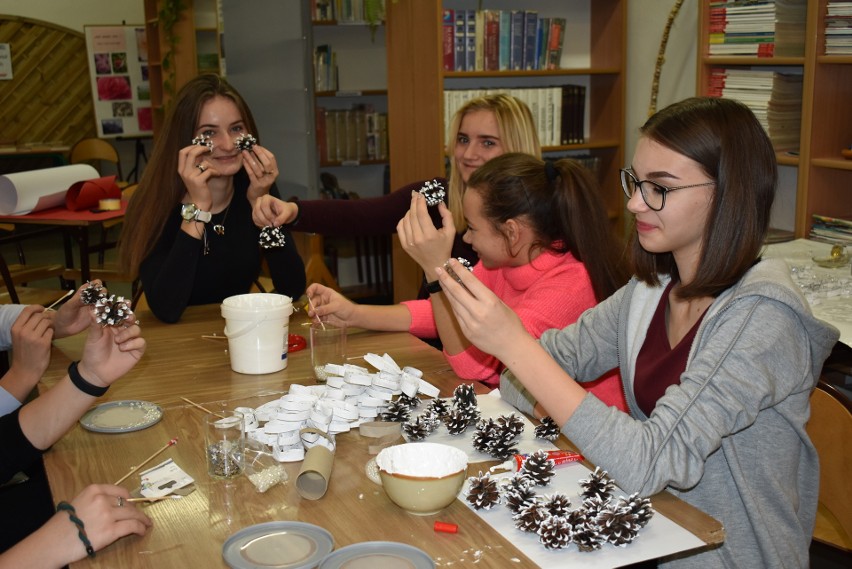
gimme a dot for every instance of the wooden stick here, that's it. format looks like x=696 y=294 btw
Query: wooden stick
x=213 y=337
x=205 y=409
x=60 y=299
x=314 y=308
x=146 y=461
x=153 y=498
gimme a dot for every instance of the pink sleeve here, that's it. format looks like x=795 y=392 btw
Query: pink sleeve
x=422 y=319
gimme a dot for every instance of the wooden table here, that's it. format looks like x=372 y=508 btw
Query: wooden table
x=75 y=228
x=190 y=532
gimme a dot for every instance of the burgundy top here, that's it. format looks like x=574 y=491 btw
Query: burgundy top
x=659 y=365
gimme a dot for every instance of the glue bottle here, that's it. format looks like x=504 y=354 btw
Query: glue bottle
x=559 y=457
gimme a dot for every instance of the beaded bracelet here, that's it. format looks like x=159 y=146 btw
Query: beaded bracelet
x=82 y=384
x=81 y=528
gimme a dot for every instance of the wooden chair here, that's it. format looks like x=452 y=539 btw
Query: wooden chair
x=830 y=429
x=12 y=293
x=97 y=152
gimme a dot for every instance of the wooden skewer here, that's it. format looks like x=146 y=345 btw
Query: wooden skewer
x=60 y=299
x=213 y=337
x=205 y=409
x=153 y=498
x=146 y=461
x=314 y=308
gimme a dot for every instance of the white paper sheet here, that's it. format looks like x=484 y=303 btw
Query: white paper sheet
x=660 y=537
x=25 y=192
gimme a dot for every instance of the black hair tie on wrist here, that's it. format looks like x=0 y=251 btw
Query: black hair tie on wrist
x=550 y=171
x=82 y=384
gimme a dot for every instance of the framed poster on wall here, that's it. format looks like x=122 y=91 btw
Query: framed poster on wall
x=118 y=67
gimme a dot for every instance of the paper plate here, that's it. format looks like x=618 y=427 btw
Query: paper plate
x=372 y=554
x=277 y=545
x=121 y=416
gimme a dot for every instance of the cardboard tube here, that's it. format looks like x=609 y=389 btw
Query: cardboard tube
x=313 y=478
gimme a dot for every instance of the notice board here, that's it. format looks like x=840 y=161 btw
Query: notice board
x=118 y=67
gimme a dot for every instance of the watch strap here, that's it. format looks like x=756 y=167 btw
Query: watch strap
x=203 y=216
x=433 y=286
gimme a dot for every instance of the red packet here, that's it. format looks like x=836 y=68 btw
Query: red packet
x=88 y=193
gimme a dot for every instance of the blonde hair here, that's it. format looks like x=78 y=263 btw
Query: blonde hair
x=517 y=132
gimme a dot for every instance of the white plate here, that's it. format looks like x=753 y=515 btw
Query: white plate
x=277 y=545
x=374 y=554
x=121 y=416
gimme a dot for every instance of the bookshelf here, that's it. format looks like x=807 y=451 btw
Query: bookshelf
x=198 y=49
x=817 y=180
x=593 y=55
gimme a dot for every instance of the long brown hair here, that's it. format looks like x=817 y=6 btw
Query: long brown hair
x=517 y=132
x=725 y=138
x=561 y=201
x=161 y=188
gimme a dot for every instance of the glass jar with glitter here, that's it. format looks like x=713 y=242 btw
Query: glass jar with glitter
x=225 y=441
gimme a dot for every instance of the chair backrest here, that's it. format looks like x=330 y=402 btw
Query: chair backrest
x=830 y=429
x=8 y=283
x=90 y=150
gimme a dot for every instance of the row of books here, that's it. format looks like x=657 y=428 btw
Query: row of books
x=775 y=98
x=838 y=28
x=325 y=68
x=351 y=135
x=346 y=11
x=500 y=40
x=834 y=230
x=559 y=112
x=758 y=28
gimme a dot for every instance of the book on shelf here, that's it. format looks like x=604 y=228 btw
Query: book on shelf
x=501 y=40
x=325 y=68
x=763 y=29
x=835 y=230
x=347 y=11
x=356 y=134
x=558 y=111
x=448 y=40
x=838 y=28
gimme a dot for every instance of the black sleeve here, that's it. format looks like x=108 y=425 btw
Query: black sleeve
x=286 y=268
x=16 y=451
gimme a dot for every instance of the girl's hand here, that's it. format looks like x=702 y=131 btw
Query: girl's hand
x=105 y=521
x=195 y=171
x=331 y=306
x=32 y=334
x=428 y=246
x=110 y=352
x=269 y=210
x=262 y=169
x=484 y=319
x=73 y=316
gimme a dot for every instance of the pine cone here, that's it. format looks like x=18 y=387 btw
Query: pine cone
x=502 y=448
x=457 y=422
x=113 y=311
x=483 y=492
x=547 y=430
x=594 y=504
x=558 y=505
x=410 y=402
x=464 y=394
x=430 y=419
x=484 y=435
x=539 y=468
x=468 y=410
x=518 y=482
x=433 y=192
x=617 y=524
x=529 y=519
x=586 y=536
x=397 y=412
x=439 y=407
x=271 y=237
x=511 y=424
x=598 y=484
x=417 y=430
x=555 y=533
x=91 y=293
x=517 y=500
x=640 y=507
x=245 y=141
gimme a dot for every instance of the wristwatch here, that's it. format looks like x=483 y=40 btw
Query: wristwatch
x=433 y=286
x=190 y=212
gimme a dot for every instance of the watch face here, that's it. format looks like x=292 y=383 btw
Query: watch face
x=188 y=211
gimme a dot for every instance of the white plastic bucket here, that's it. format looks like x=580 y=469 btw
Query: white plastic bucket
x=256 y=326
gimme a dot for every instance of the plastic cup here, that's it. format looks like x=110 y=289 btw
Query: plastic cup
x=328 y=346
x=225 y=443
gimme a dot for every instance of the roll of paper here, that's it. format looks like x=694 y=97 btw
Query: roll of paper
x=25 y=192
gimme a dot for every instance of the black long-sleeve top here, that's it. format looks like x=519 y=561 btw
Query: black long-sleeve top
x=16 y=451
x=178 y=274
x=370 y=216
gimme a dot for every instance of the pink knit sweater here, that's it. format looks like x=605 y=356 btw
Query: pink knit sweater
x=551 y=292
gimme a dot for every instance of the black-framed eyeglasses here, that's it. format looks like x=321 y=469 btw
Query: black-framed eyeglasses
x=653 y=194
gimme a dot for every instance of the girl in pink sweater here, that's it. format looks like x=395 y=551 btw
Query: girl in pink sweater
x=545 y=248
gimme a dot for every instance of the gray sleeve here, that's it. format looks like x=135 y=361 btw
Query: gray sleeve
x=8 y=314
x=513 y=392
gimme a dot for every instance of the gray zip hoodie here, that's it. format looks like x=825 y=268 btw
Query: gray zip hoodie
x=730 y=439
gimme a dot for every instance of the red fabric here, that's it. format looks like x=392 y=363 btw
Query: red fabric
x=63 y=214
x=86 y=194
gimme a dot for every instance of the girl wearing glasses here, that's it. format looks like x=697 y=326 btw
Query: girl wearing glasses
x=718 y=350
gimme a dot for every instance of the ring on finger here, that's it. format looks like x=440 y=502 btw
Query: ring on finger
x=267 y=173
x=201 y=167
x=120 y=502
